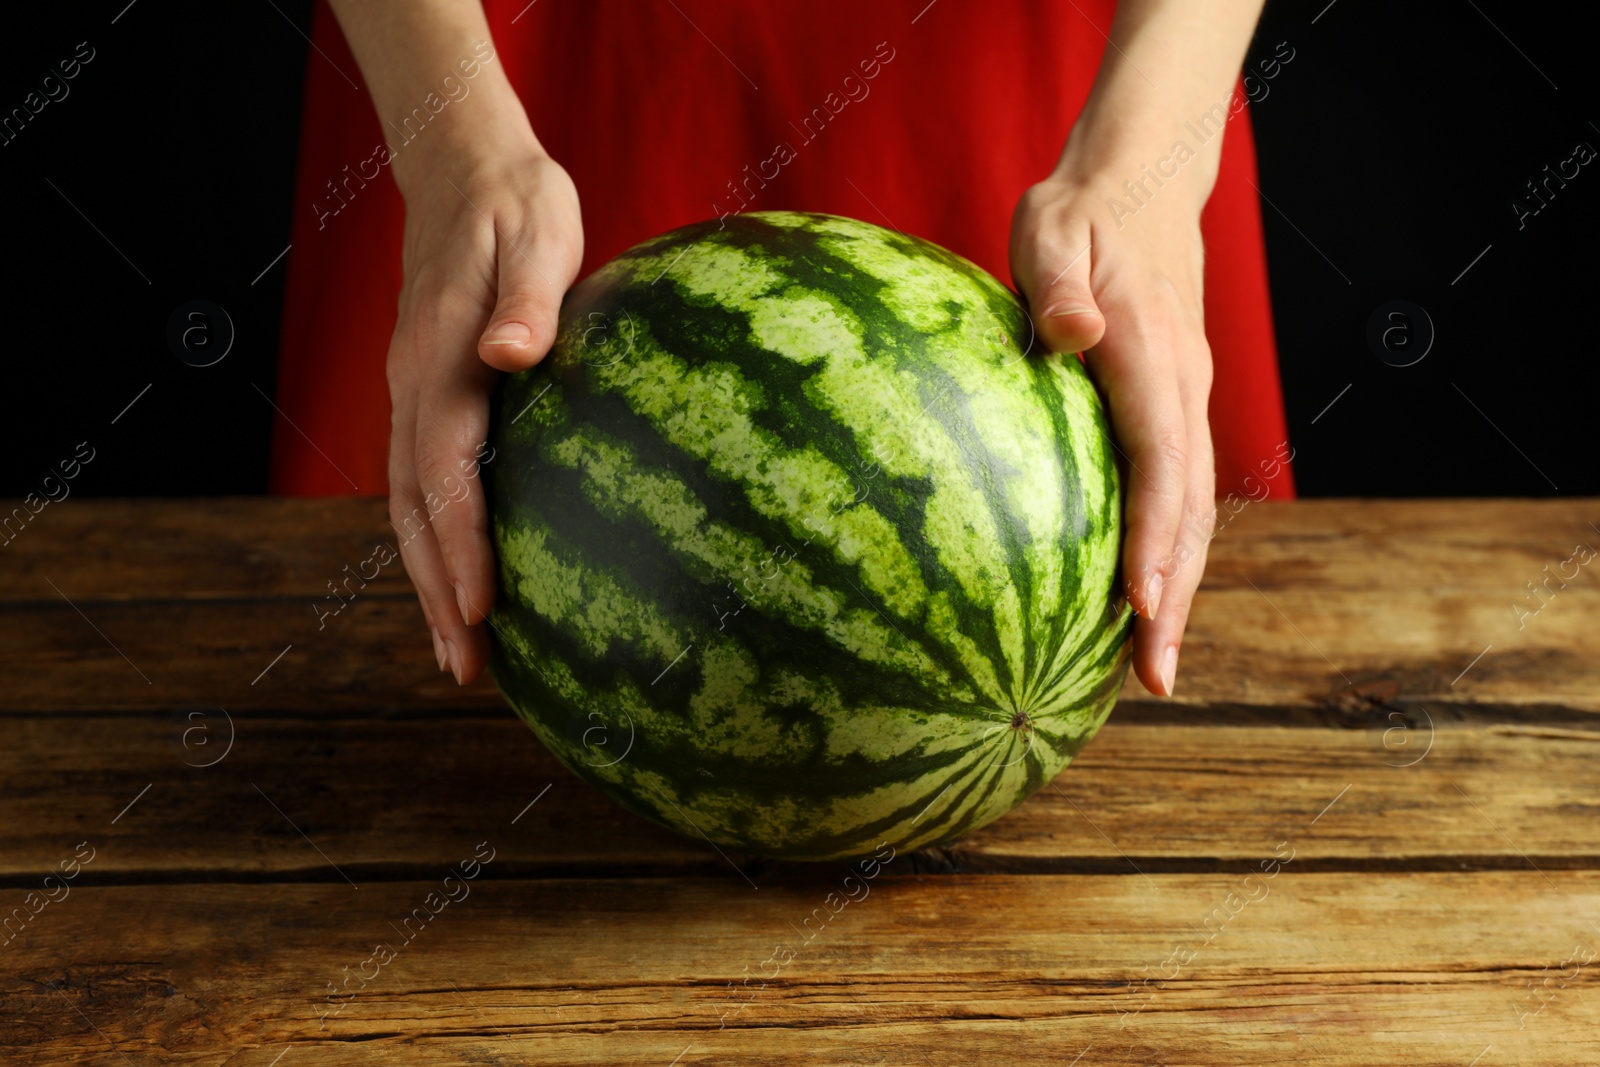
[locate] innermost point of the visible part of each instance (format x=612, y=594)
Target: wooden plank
x=1305, y=648
x=220, y=548
x=1304, y=606
x=1206, y=797
x=243, y=655
x=146, y=549
x=1242, y=661
x=1367, y=945
x=388, y=799
x=1301, y=600
x=1351, y=969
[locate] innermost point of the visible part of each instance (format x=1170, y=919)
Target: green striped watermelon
x=800, y=549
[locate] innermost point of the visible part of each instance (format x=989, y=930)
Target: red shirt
x=933, y=118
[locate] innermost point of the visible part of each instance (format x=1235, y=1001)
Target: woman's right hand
x=493, y=239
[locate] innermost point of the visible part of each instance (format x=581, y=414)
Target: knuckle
x=1200, y=371
x=444, y=471
x=1200, y=516
x=1042, y=216
x=525, y=292
x=407, y=515
x=1172, y=449
x=1176, y=605
x=446, y=438
x=1051, y=244
x=1070, y=285
x=403, y=500
x=1034, y=200
x=400, y=375
x=433, y=459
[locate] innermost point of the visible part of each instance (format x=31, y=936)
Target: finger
x=1157, y=641
x=459, y=648
x=532, y=276
x=1147, y=417
x=1053, y=266
x=452, y=428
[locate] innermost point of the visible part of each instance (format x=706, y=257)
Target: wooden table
x=1367, y=830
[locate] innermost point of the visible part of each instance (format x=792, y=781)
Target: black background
x=1392, y=147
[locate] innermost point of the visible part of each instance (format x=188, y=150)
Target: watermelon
x=802, y=547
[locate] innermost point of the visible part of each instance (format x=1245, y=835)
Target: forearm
x=436, y=82
x=1166, y=78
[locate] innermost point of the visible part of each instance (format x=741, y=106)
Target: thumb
x=1053, y=271
x=528, y=303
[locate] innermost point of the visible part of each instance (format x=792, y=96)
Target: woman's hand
x=1125, y=290
x=1124, y=285
x=493, y=239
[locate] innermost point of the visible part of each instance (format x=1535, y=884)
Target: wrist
x=1131, y=126
x=1153, y=146
x=453, y=133
x=1128, y=131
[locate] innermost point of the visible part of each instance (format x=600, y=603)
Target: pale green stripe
x=1087, y=600
x=884, y=408
x=706, y=410
x=993, y=379
x=580, y=600
x=735, y=563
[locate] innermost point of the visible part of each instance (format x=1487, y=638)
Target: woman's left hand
x=1125, y=289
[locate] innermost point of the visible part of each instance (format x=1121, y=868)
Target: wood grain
x=221, y=548
x=1303, y=607
x=932, y=970
x=386, y=799
x=374, y=658
x=1359, y=700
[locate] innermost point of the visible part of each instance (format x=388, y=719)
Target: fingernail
x=1056, y=311
x=453, y=654
x=438, y=646
x=1169, y=669
x=1152, y=594
x=508, y=333
x=462, y=602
